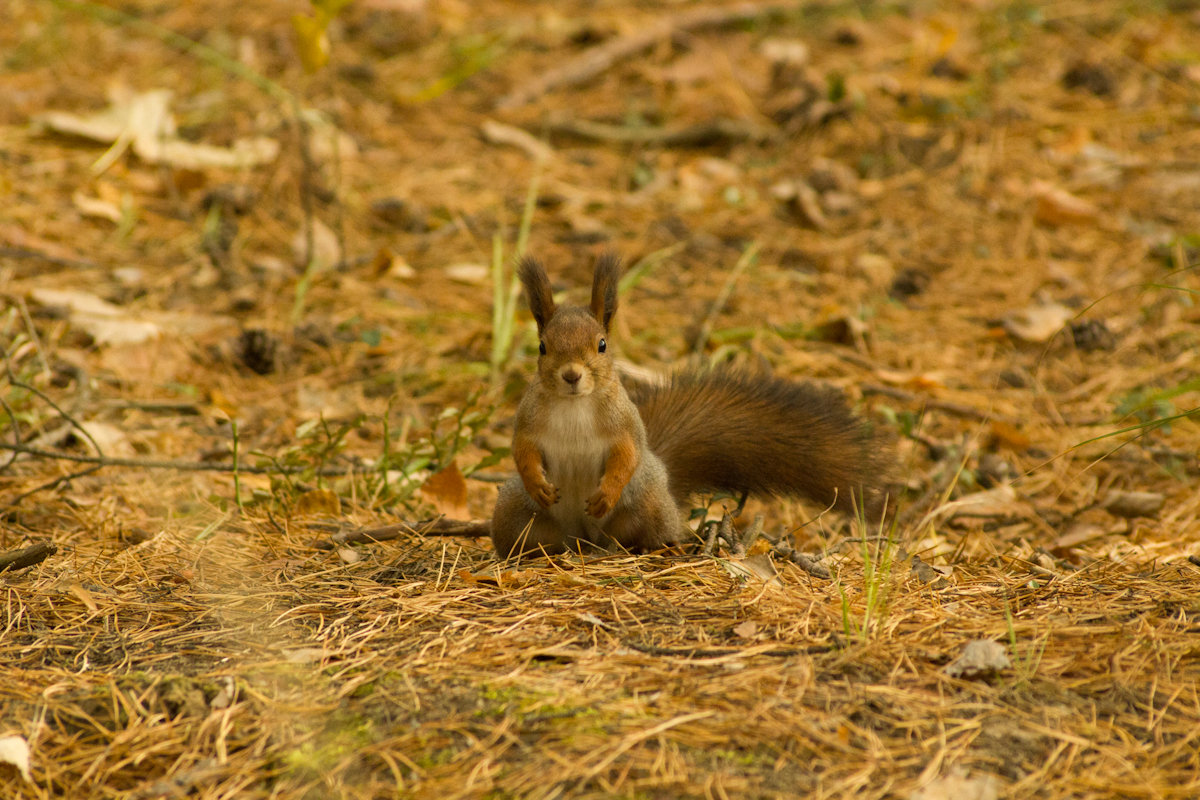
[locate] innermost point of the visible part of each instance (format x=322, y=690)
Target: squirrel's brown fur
x=595, y=466
x=745, y=432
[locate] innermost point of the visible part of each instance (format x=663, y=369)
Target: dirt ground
x=268, y=309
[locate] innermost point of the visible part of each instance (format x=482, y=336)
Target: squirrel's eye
x=542, y=348
x=602, y=346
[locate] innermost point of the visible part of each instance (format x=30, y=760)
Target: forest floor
x=246, y=308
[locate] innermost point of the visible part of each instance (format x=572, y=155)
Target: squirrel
x=598, y=466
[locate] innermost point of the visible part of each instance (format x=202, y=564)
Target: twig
x=58, y=261
x=699, y=134
x=435, y=527
x=600, y=58
x=802, y=560
x=183, y=466
x=27, y=556
x=16, y=382
x=54, y=483
x=701, y=652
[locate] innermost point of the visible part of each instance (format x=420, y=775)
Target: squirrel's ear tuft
x=604, y=288
x=537, y=290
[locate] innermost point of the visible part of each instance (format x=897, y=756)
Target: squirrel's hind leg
x=652, y=520
x=521, y=527
x=643, y=532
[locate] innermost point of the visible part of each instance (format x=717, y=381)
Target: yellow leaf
x=312, y=42
x=318, y=503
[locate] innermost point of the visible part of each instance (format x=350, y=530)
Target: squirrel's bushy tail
x=740, y=431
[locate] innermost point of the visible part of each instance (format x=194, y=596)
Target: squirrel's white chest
x=574, y=449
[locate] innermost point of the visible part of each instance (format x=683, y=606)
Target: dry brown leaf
x=1037, y=323
x=1057, y=206
x=84, y=596
x=96, y=208
x=326, y=249
x=318, y=503
x=473, y=274
x=747, y=629
x=981, y=658
x=447, y=490
x=1134, y=504
x=512, y=136
x=999, y=502
x=143, y=121
x=1004, y=434
x=1077, y=533
x=759, y=567
x=111, y=440
x=105, y=323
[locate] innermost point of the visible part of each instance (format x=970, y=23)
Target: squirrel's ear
x=537, y=290
x=604, y=288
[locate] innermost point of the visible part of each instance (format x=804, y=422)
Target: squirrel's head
x=573, y=343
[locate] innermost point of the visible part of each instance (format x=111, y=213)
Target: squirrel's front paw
x=545, y=494
x=601, y=502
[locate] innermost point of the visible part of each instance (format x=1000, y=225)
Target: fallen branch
x=602, y=57
x=183, y=466
x=27, y=556
x=701, y=134
x=435, y=527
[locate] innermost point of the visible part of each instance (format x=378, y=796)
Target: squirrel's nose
x=571, y=376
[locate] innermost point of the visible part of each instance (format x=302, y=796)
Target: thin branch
x=435, y=527
x=181, y=465
x=27, y=556
x=598, y=59
x=54, y=483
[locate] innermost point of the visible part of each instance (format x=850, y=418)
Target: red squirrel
x=597, y=466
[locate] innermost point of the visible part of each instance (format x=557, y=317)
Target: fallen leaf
x=760, y=567
x=326, y=249
x=1133, y=504
x=747, y=629
x=15, y=750
x=304, y=655
x=792, y=52
x=318, y=503
x=999, y=502
x=106, y=323
x=85, y=597
x=1076, y=534
x=499, y=133
x=1004, y=434
x=96, y=208
x=981, y=658
x=592, y=619
x=474, y=274
x=143, y=121
x=1058, y=206
x=385, y=262
x=1037, y=323
x=956, y=785
x=447, y=490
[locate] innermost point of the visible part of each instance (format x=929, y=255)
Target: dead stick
x=956, y=409
x=27, y=556
x=437, y=527
x=182, y=466
x=697, y=135
x=596, y=60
